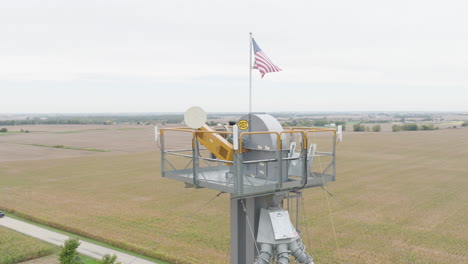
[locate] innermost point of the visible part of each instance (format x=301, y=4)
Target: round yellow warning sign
x=243, y=124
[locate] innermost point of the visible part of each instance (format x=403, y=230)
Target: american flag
x=262, y=62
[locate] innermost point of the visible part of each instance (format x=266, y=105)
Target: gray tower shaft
x=244, y=227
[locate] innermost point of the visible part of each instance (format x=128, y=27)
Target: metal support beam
x=251, y=232
x=238, y=228
x=244, y=227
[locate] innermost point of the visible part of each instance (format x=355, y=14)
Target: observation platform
x=265, y=162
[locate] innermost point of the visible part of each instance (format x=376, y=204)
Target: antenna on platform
x=195, y=117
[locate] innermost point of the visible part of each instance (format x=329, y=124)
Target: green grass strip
x=88, y=260
x=12, y=133
x=77, y=131
x=130, y=128
x=94, y=129
x=67, y=147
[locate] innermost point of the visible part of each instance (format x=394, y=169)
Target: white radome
x=195, y=117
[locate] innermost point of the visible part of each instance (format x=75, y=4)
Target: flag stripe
x=264, y=59
x=262, y=62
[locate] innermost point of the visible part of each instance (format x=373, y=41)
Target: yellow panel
x=215, y=143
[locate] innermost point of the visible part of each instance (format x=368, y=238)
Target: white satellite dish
x=195, y=117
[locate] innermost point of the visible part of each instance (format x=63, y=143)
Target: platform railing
x=197, y=164
x=332, y=153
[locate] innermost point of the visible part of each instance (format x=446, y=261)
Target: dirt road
x=85, y=248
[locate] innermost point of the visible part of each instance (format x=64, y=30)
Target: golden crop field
x=399, y=197
x=16, y=247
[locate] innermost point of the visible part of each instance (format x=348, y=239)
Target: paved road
x=85, y=248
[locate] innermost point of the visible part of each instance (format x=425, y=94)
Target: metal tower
x=262, y=165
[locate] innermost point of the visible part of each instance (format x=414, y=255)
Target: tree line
x=312, y=123
x=361, y=128
x=95, y=120
x=413, y=127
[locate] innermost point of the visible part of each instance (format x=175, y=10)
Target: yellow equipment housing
x=215, y=143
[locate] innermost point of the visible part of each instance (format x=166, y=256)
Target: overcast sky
x=165, y=56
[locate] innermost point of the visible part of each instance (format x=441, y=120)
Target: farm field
x=95, y=138
x=399, y=197
x=53, y=259
x=16, y=247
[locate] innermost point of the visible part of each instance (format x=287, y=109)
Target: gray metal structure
x=269, y=163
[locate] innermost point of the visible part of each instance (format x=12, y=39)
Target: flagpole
x=250, y=76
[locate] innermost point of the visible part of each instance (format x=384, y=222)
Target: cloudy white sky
x=165, y=56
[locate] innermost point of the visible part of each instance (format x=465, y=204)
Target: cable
x=325, y=189
x=306, y=225
x=209, y=201
x=330, y=212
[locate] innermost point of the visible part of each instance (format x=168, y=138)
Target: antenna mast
x=250, y=75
